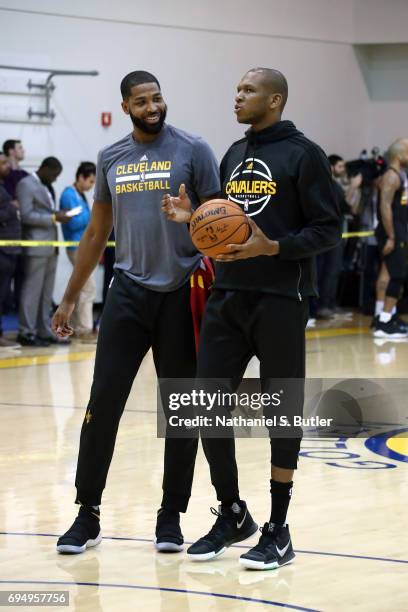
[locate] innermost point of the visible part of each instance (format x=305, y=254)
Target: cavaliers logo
x=251, y=185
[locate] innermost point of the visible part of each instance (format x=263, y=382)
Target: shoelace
x=266, y=538
x=217, y=530
x=215, y=511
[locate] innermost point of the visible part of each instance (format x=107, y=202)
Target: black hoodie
x=283, y=182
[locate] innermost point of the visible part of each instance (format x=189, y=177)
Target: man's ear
x=276, y=100
x=125, y=106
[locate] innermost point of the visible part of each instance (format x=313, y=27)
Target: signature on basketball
x=212, y=233
x=210, y=212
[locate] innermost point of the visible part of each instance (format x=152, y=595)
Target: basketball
x=218, y=223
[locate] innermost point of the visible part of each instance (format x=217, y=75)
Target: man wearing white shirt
x=73, y=201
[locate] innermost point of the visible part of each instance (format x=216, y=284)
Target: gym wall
x=198, y=50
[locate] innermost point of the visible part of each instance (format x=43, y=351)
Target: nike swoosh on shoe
x=239, y=524
x=282, y=551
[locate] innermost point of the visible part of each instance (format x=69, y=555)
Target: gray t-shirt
x=156, y=253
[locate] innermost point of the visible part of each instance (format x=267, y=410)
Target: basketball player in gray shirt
x=148, y=303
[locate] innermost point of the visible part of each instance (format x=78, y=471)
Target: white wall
x=198, y=69
x=380, y=21
x=311, y=19
x=385, y=70
x=199, y=52
x=380, y=30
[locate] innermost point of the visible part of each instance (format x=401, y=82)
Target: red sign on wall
x=106, y=119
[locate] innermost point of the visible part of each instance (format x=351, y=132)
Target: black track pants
x=238, y=325
x=135, y=319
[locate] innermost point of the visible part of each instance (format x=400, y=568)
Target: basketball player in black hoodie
x=259, y=305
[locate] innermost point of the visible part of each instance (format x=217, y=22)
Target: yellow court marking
x=357, y=234
x=69, y=243
x=43, y=243
x=35, y=360
x=333, y=333
x=399, y=443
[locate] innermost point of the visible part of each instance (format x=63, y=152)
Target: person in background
x=73, y=198
x=39, y=219
x=329, y=263
x=374, y=272
x=14, y=151
x=392, y=238
x=350, y=185
x=10, y=229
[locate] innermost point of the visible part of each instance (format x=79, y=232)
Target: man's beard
x=148, y=128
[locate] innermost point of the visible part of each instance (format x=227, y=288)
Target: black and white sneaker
x=233, y=525
x=31, y=340
x=168, y=533
x=84, y=533
x=392, y=329
x=273, y=550
x=401, y=323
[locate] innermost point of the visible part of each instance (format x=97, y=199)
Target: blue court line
x=165, y=590
x=64, y=407
x=302, y=552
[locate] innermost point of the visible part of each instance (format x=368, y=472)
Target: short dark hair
x=334, y=159
x=9, y=144
x=85, y=169
x=275, y=81
x=136, y=78
x=52, y=163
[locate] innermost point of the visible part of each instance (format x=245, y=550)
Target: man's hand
x=177, y=209
x=257, y=244
x=60, y=321
x=389, y=246
x=61, y=216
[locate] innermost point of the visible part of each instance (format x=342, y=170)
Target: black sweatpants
x=238, y=325
x=134, y=320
